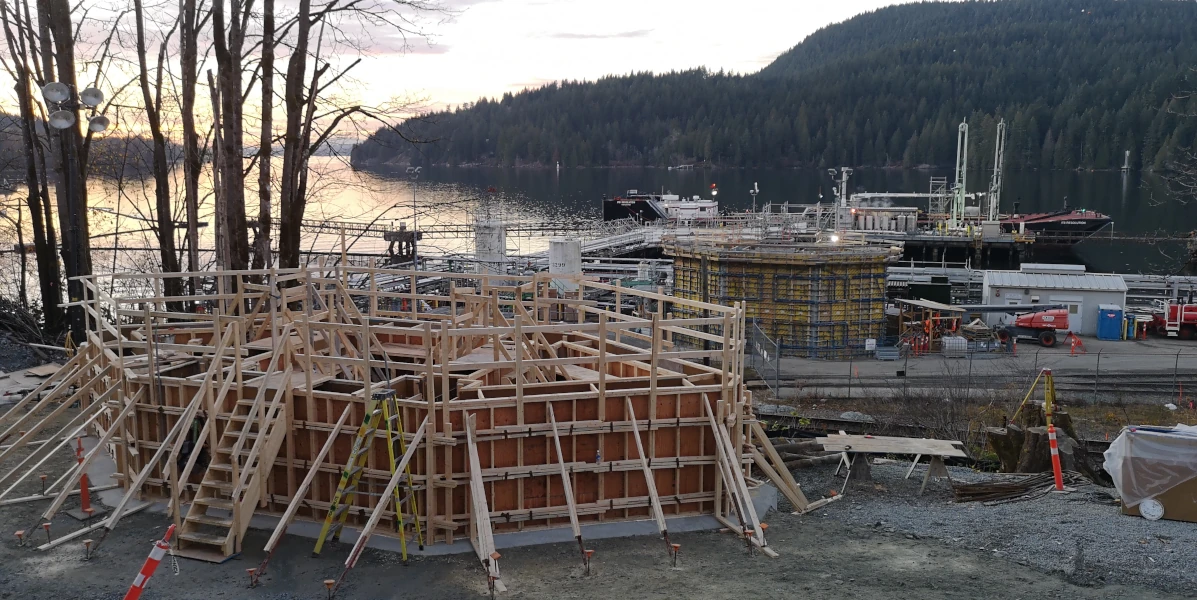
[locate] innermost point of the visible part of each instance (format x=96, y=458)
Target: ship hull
x=1063, y=228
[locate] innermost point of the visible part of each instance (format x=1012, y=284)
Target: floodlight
x=56, y=91
x=62, y=119
x=91, y=97
x=98, y=124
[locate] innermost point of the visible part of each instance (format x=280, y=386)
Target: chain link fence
x=1148, y=375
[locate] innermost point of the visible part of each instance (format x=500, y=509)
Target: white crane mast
x=993, y=199
x=956, y=218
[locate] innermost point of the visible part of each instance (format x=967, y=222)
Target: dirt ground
x=818, y=559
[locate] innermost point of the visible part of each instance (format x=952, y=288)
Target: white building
x=1069, y=285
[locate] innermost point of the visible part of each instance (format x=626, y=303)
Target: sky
x=490, y=47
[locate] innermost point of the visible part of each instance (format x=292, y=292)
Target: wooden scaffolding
x=522, y=402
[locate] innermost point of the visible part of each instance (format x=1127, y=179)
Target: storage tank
x=870, y=222
x=565, y=258
x=860, y=221
x=954, y=346
x=490, y=246
x=817, y=300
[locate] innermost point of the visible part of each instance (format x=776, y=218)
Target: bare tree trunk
x=228, y=63
x=291, y=201
x=172, y=286
x=262, y=257
x=48, y=274
x=192, y=166
x=72, y=193
x=221, y=216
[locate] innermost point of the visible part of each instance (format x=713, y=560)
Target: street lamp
x=64, y=104
x=58, y=96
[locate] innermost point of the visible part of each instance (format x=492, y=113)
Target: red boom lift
x=1041, y=326
x=1175, y=319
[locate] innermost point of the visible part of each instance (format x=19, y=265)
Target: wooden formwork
x=523, y=405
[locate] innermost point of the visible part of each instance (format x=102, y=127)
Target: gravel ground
x=1081, y=536
x=879, y=542
x=15, y=356
x=838, y=552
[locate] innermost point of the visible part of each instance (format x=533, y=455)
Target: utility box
x=1109, y=322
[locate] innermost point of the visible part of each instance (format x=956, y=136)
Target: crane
x=956, y=218
x=993, y=199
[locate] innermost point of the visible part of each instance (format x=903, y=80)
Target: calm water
x=1137, y=204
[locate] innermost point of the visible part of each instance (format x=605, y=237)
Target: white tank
x=901, y=223
x=912, y=223
x=860, y=221
x=954, y=346
x=565, y=258
x=490, y=246
x=870, y=222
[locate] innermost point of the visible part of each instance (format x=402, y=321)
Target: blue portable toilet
x=1109, y=322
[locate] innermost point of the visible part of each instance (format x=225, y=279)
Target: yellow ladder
x=394, y=422
x=352, y=473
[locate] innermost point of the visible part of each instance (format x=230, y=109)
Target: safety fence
x=1150, y=375
x=764, y=357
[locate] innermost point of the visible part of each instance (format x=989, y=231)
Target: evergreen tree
x=1077, y=81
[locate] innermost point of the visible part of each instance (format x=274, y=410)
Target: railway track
x=1074, y=386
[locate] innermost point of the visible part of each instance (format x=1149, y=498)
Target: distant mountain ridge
x=1078, y=83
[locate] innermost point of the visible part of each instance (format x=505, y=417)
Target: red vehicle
x=1041, y=326
x=1173, y=319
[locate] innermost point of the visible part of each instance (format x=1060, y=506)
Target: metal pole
x=968, y=387
x=1176, y=369
x=906, y=376
x=415, y=229
x=849, y=377
x=1096, y=376
x=777, y=368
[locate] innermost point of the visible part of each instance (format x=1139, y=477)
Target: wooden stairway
x=239, y=467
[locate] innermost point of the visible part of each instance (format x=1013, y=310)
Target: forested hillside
x=1078, y=83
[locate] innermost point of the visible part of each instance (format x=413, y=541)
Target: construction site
x=308, y=432
x=420, y=408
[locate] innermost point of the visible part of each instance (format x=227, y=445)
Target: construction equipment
x=1173, y=318
x=380, y=409
x=1041, y=326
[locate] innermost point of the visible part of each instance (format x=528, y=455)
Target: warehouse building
x=1069, y=285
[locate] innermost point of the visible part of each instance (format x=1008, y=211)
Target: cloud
x=638, y=33
x=425, y=46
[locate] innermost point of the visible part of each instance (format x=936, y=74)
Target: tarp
x=1145, y=462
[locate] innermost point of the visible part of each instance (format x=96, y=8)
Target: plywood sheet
x=45, y=370
x=892, y=445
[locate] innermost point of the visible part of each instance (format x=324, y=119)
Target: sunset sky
x=496, y=46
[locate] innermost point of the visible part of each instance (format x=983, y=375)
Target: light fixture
x=91, y=97
x=835, y=238
x=62, y=119
x=56, y=91
x=98, y=124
